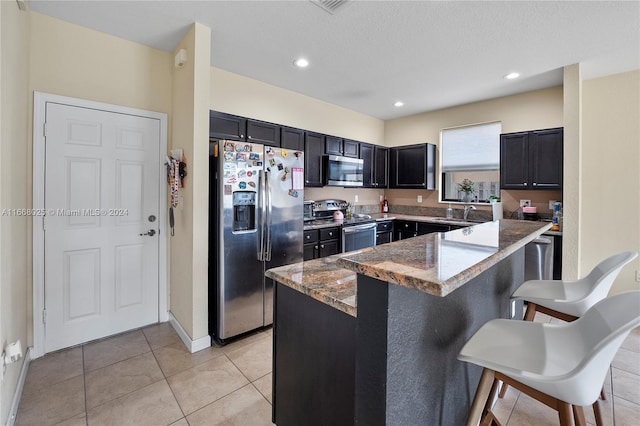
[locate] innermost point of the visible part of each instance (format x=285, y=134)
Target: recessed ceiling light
x=398, y=104
x=512, y=75
x=301, y=63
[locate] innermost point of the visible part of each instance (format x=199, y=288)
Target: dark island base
x=313, y=361
x=393, y=365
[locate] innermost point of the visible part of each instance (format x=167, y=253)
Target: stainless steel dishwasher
x=355, y=237
x=538, y=259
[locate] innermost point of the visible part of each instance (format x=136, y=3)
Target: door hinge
x=44, y=223
x=44, y=129
x=44, y=316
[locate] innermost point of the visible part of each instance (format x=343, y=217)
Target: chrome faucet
x=466, y=210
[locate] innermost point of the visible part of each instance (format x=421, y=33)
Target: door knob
x=151, y=233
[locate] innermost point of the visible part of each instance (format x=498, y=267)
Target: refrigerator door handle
x=267, y=251
x=262, y=207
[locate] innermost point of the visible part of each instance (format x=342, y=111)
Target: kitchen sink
x=444, y=219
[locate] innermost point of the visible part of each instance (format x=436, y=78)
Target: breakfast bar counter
x=371, y=337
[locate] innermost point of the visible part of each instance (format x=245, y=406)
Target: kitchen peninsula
x=371, y=337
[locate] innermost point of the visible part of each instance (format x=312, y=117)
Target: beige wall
x=235, y=94
x=189, y=246
x=572, y=180
x=610, y=176
x=15, y=267
x=539, y=109
x=71, y=60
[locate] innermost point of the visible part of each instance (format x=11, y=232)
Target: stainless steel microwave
x=343, y=171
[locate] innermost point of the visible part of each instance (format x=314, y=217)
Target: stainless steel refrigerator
x=256, y=223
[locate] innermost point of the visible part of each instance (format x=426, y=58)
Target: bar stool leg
x=578, y=414
x=565, y=413
x=480, y=400
x=597, y=413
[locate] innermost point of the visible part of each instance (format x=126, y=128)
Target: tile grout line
x=84, y=385
x=166, y=379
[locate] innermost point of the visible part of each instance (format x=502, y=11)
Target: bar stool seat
x=561, y=365
x=569, y=300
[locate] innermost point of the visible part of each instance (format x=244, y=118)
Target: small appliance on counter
x=307, y=212
x=530, y=213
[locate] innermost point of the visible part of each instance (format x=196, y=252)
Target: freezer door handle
x=262, y=209
x=267, y=251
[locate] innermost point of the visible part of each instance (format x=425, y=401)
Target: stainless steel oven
x=355, y=237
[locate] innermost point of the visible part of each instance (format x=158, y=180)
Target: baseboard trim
x=192, y=345
x=17, y=395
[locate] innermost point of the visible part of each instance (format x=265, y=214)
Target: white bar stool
x=569, y=300
x=560, y=365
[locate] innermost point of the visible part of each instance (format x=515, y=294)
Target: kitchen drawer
x=408, y=226
x=311, y=236
x=385, y=226
x=329, y=234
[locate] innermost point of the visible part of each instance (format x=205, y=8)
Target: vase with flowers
x=466, y=188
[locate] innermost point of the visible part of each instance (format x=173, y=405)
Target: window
x=473, y=153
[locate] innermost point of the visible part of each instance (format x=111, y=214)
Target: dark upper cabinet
x=263, y=133
x=531, y=160
x=333, y=145
x=338, y=146
x=232, y=127
x=313, y=152
x=375, y=166
x=381, y=170
x=291, y=138
x=227, y=126
x=350, y=148
x=413, y=166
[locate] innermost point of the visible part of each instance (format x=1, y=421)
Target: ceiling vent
x=330, y=6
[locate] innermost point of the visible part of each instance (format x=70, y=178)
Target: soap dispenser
x=449, y=212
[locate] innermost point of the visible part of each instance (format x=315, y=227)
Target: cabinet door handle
x=315, y=247
x=322, y=246
x=535, y=184
x=331, y=234
x=525, y=184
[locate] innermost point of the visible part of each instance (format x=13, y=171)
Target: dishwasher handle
x=357, y=228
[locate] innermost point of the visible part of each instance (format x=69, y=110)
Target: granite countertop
x=436, y=263
x=321, y=279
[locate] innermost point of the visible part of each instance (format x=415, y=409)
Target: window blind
x=471, y=148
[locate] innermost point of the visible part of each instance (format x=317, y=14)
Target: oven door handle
x=357, y=228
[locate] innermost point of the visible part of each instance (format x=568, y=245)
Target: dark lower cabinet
x=404, y=229
x=314, y=362
x=413, y=166
x=427, y=228
x=313, y=152
x=384, y=232
x=532, y=160
x=321, y=243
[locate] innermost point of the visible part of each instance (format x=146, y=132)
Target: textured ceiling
x=429, y=54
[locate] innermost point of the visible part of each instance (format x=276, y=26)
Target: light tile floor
x=147, y=377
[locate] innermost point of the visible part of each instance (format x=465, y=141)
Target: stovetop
x=356, y=220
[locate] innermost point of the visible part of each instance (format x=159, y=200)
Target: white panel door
x=102, y=201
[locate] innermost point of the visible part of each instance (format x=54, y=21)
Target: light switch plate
x=551, y=204
x=355, y=198
x=419, y=198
